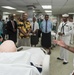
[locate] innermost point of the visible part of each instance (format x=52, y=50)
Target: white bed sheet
x=18, y=69
x=16, y=63
x=37, y=55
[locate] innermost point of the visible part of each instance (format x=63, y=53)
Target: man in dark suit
x=12, y=29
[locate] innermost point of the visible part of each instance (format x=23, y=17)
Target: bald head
x=8, y=46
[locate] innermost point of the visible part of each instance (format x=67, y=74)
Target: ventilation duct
x=30, y=7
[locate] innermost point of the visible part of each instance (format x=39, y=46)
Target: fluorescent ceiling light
x=8, y=7
x=48, y=11
x=46, y=6
x=14, y=14
x=20, y=11
x=33, y=10
x=70, y=13
x=6, y=13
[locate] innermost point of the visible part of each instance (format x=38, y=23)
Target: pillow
x=21, y=57
x=37, y=56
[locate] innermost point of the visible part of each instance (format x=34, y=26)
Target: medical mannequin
x=8, y=46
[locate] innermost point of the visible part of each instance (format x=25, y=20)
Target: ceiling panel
x=44, y=2
x=62, y=6
x=58, y=6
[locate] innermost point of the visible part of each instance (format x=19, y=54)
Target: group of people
x=29, y=32
x=45, y=27
x=9, y=28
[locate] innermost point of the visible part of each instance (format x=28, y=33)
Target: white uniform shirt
x=36, y=26
x=67, y=32
x=73, y=27
x=67, y=28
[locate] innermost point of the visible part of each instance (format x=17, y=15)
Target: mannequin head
x=8, y=46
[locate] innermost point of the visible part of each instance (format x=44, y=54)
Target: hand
x=14, y=30
x=60, y=34
x=73, y=74
x=33, y=32
x=60, y=43
x=26, y=34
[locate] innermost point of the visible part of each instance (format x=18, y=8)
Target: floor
x=56, y=66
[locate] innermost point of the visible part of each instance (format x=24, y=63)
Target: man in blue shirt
x=46, y=27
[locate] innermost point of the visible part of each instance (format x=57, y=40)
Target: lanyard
x=13, y=24
x=62, y=28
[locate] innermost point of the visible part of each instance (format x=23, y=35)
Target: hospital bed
x=18, y=63
x=39, y=56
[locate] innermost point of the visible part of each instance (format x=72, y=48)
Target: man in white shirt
x=34, y=30
x=64, y=31
x=34, y=25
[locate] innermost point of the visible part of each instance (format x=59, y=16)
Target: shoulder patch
x=70, y=28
